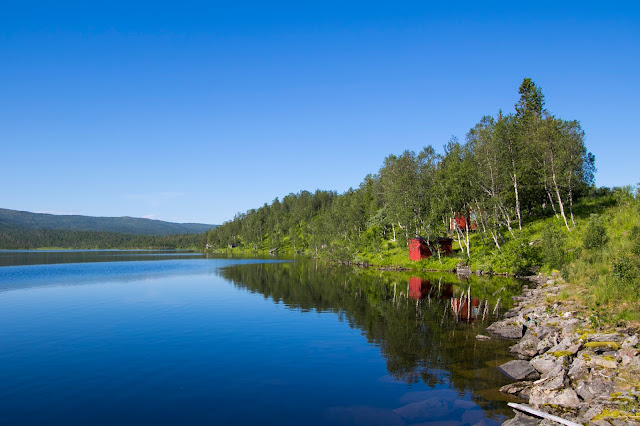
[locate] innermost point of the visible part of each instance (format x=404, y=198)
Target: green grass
x=599, y=258
x=605, y=279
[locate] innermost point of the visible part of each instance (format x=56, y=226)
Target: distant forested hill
x=13, y=219
x=23, y=238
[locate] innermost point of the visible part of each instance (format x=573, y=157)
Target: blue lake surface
x=91, y=338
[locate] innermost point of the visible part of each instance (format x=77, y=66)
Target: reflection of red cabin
x=421, y=248
x=460, y=307
x=461, y=221
x=420, y=288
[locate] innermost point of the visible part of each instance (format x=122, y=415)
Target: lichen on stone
x=599, y=345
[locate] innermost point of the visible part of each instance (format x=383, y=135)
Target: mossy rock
x=616, y=414
x=602, y=345
x=558, y=354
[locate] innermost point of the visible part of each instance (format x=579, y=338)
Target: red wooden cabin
x=421, y=248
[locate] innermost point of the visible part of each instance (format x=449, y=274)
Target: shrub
x=624, y=269
x=372, y=239
x=553, y=248
x=635, y=240
x=595, y=236
x=521, y=257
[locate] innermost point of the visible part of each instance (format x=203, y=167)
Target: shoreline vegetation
x=523, y=182
x=575, y=328
x=528, y=180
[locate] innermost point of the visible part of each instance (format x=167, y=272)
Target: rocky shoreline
x=566, y=366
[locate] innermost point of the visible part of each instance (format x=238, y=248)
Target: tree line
x=511, y=168
x=21, y=238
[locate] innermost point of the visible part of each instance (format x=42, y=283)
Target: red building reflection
x=464, y=308
x=421, y=289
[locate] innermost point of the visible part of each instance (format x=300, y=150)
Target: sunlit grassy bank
x=599, y=257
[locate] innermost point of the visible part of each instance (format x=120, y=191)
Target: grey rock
x=578, y=370
x=547, y=422
x=574, y=348
x=521, y=389
x=512, y=313
x=554, y=382
x=543, y=331
x=507, y=329
x=522, y=419
x=598, y=361
x=593, y=411
x=625, y=356
x=482, y=337
x=562, y=346
x=563, y=398
x=527, y=346
x=623, y=422
x=568, y=326
x=544, y=363
x=519, y=370
x=462, y=269
x=547, y=341
x=589, y=390
x=557, y=369
x=610, y=337
x=630, y=342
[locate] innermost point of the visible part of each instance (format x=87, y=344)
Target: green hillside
x=14, y=219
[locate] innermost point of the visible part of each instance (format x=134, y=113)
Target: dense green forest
x=511, y=168
x=123, y=225
x=26, y=230
x=22, y=238
x=527, y=178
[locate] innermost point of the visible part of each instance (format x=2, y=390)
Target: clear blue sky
x=193, y=111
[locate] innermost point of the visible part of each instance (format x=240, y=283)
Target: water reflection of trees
x=422, y=325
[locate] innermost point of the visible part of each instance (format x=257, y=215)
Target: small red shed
x=421, y=248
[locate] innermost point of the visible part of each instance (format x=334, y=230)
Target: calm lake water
x=123, y=337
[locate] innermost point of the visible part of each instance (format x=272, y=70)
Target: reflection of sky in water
x=175, y=342
x=61, y=274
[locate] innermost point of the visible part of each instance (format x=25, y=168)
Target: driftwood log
x=538, y=413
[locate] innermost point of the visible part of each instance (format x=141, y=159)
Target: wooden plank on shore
x=542, y=414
